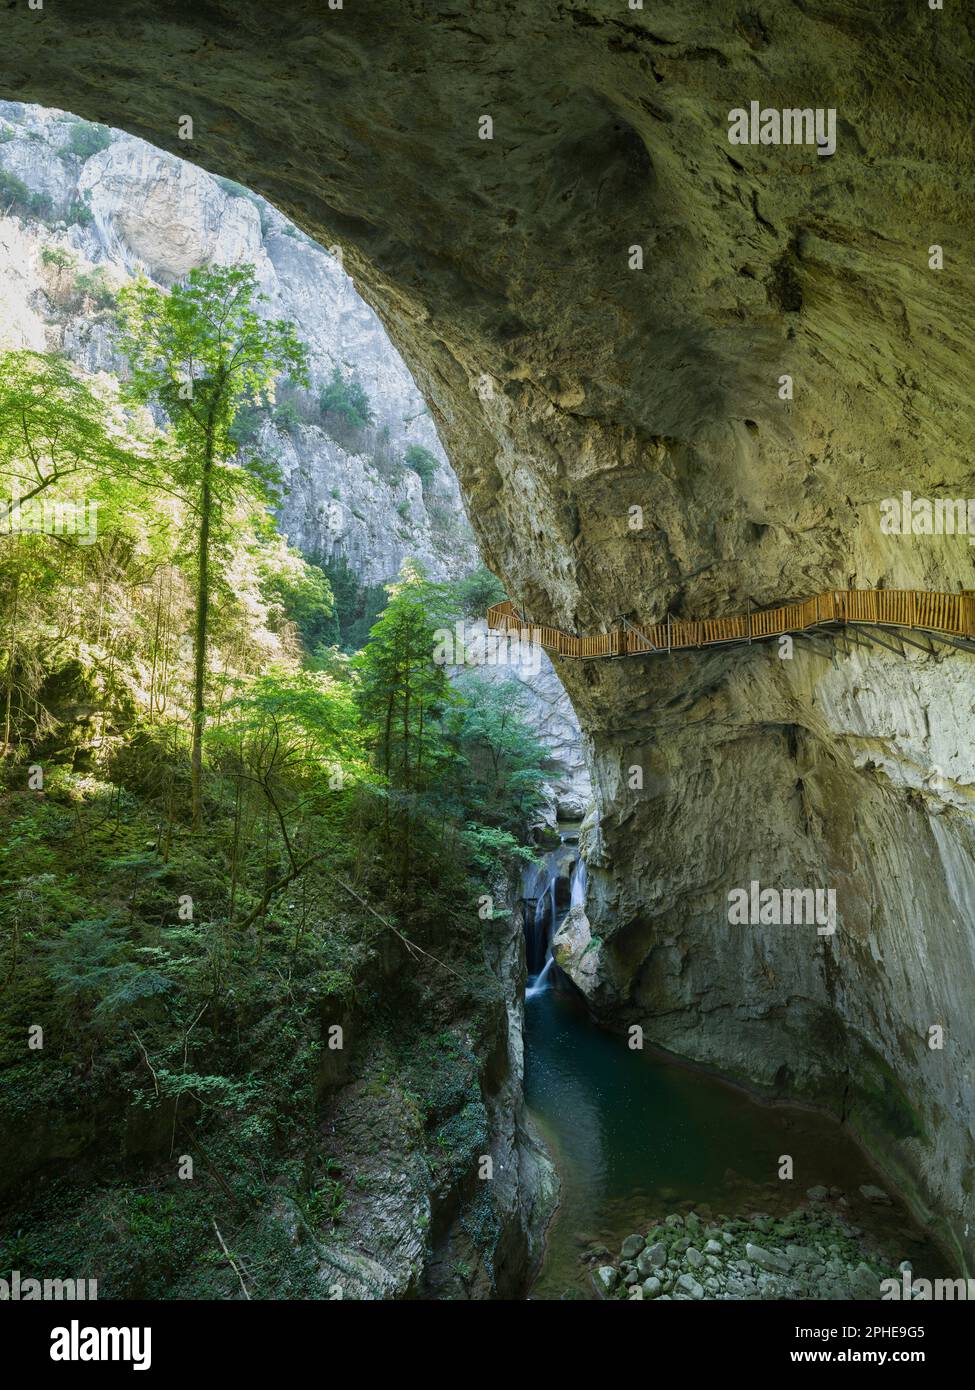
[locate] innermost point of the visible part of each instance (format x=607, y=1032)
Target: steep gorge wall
x=568, y=388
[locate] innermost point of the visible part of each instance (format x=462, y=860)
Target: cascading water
x=549, y=889
x=577, y=897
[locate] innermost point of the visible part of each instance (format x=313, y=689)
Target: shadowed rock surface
x=568, y=388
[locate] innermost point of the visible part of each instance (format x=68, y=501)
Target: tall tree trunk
x=11, y=658
x=200, y=637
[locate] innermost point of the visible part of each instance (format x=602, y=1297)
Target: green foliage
x=504, y=759
x=247, y=425
x=357, y=606
x=404, y=693
x=15, y=196
x=343, y=402
x=286, y=417
x=79, y=212
x=300, y=592
x=422, y=462
x=494, y=851
x=96, y=287
x=58, y=259
x=202, y=352
x=353, y=811
x=87, y=138
x=476, y=592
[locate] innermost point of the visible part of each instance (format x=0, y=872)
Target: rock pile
x=813, y=1253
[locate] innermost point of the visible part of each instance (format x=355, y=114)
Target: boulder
x=874, y=1194
x=689, y=1286
x=766, y=1259
x=653, y=1258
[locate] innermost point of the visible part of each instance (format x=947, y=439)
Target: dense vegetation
x=221, y=836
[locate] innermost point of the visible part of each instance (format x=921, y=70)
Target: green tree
x=476, y=592
x=404, y=696
x=504, y=760
x=422, y=462
x=203, y=353
x=345, y=400
x=357, y=606
x=87, y=138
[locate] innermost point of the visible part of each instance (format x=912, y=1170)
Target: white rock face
x=152, y=213
x=21, y=326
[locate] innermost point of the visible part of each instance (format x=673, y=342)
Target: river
x=634, y=1136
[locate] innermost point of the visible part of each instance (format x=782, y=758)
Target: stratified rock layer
x=569, y=388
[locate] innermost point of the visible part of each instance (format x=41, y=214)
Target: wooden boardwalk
x=949, y=617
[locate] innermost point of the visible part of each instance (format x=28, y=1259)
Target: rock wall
x=852, y=773
x=570, y=385
x=127, y=209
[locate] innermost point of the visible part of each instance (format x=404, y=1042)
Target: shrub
x=16, y=196
x=422, y=462
x=345, y=401
x=286, y=417
x=80, y=213
x=58, y=259
x=95, y=286
x=87, y=138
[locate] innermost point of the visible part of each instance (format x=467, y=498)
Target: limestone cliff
x=126, y=208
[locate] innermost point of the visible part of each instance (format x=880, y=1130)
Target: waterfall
x=539, y=985
x=578, y=895
x=550, y=888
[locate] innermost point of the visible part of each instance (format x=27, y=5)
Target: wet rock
x=864, y=1283
x=632, y=1247
x=689, y=1285
x=606, y=1278
x=874, y=1194
x=652, y=1258
x=766, y=1259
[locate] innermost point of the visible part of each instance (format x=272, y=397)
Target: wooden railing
x=951, y=614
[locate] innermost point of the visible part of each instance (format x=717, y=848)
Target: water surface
x=634, y=1137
